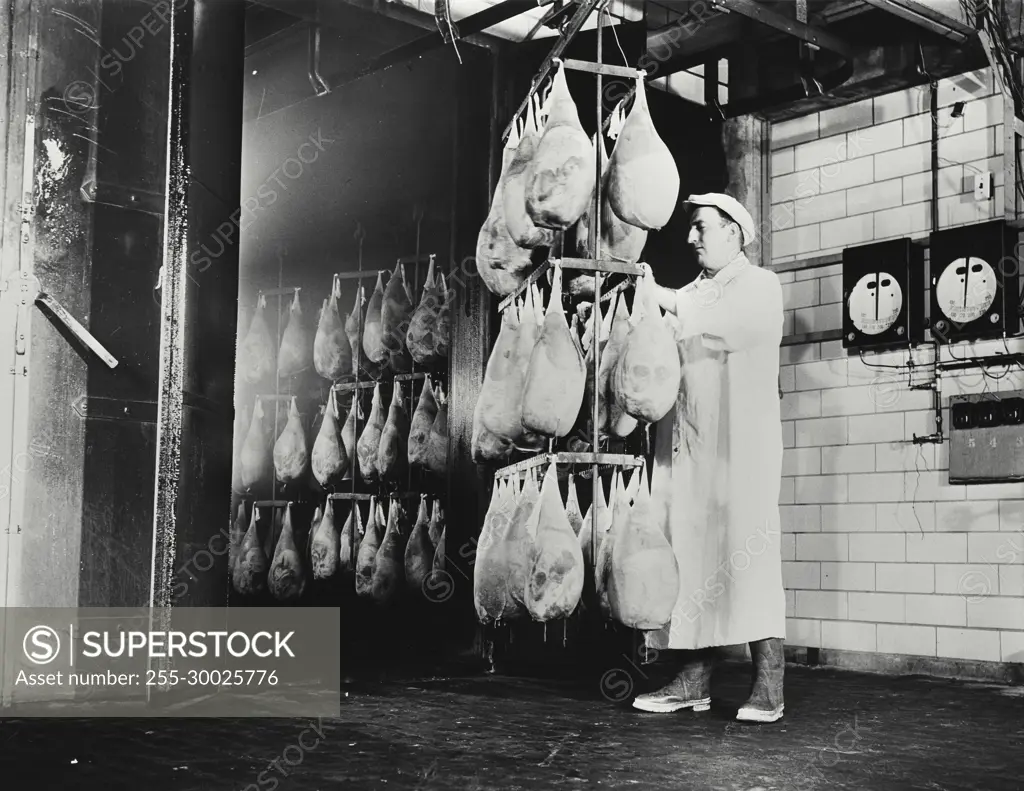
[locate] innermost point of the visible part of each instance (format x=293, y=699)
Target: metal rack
x=598, y=265
x=570, y=459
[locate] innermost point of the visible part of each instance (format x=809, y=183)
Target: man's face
x=714, y=238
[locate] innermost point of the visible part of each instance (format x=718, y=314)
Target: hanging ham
x=436, y=523
x=296, y=354
x=619, y=240
x=422, y=423
x=572, y=508
x=560, y=178
x=354, y=330
x=592, y=343
x=277, y=525
x=443, y=325
x=237, y=536
x=531, y=320
x=349, y=544
x=520, y=227
x=241, y=429
x=502, y=263
x=618, y=422
x=366, y=558
x=438, y=571
x=256, y=357
x=643, y=181
x=373, y=329
x=250, y=575
x=436, y=455
x=419, y=552
x=287, y=578
x=329, y=458
x=519, y=541
x=291, y=456
x=644, y=582
x=492, y=595
x=620, y=514
x=369, y=440
x=584, y=245
x=497, y=419
x=556, y=574
x=556, y=378
x=392, y=453
x=349, y=438
x=396, y=314
x=645, y=382
x=419, y=339
x=332, y=352
x=326, y=545
x=255, y=458
x=389, y=568
x=591, y=548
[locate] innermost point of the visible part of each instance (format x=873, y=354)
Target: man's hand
x=645, y=270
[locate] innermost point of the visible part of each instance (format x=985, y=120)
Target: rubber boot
x=691, y=688
x=765, y=702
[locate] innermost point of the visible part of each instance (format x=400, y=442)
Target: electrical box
x=975, y=281
x=983, y=185
x=986, y=438
x=883, y=295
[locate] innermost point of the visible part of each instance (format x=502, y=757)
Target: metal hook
x=320, y=86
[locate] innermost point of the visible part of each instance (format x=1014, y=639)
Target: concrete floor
x=842, y=731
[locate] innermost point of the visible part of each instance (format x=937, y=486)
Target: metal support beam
x=1012, y=131
x=475, y=23
x=927, y=18
x=812, y=35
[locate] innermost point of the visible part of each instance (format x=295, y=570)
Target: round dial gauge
x=966, y=289
x=875, y=303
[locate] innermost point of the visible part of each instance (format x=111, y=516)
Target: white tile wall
x=911, y=640
x=969, y=644
x=881, y=552
x=848, y=635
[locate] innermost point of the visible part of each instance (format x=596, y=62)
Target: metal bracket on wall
x=23, y=289
x=122, y=196
x=72, y=325
x=97, y=408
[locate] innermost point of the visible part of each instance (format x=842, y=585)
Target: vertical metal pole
x=354, y=401
x=595, y=231
x=934, y=109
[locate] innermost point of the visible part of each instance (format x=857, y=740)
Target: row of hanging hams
x=379, y=561
x=537, y=557
x=547, y=184
x=387, y=442
x=540, y=372
x=388, y=336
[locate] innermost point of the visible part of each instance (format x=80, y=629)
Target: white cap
x=730, y=207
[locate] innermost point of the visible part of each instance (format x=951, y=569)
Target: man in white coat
x=718, y=467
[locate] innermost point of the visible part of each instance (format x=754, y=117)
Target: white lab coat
x=718, y=462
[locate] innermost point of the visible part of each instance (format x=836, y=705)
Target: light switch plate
x=983, y=185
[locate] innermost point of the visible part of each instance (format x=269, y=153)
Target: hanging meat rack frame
x=596, y=264
x=359, y=384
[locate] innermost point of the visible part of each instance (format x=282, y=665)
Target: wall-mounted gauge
x=883, y=295
x=875, y=303
x=975, y=282
x=966, y=289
